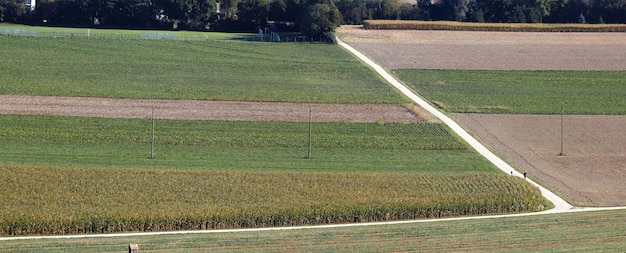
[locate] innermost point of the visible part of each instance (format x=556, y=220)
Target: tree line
x=314, y=18
x=491, y=11
x=310, y=17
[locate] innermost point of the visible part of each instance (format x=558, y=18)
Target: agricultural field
x=242, y=145
x=478, y=50
x=189, y=70
x=492, y=27
x=514, y=76
x=91, y=200
x=600, y=231
x=102, y=164
x=61, y=146
x=521, y=92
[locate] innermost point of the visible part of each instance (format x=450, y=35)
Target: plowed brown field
x=396, y=49
x=592, y=170
x=207, y=110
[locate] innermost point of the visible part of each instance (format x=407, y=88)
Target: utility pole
x=562, y=126
x=152, y=142
x=309, y=153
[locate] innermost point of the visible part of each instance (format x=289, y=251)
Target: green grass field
x=198, y=70
x=521, y=92
x=8, y=28
x=282, y=146
x=572, y=232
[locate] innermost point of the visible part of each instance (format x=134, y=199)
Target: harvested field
x=206, y=110
x=418, y=49
x=592, y=169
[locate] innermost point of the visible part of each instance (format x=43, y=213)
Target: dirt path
x=204, y=110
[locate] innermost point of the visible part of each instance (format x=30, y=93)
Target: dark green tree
x=12, y=11
x=278, y=11
x=253, y=13
x=352, y=11
x=320, y=18
x=228, y=9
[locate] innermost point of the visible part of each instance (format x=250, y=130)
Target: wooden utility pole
x=309, y=153
x=152, y=142
x=562, y=126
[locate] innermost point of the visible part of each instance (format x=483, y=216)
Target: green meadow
x=521, y=92
x=50, y=31
x=197, y=70
x=600, y=231
x=282, y=146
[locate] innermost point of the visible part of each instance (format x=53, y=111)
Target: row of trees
x=493, y=11
x=311, y=17
x=315, y=18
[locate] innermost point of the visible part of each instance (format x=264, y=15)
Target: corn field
x=505, y=27
x=51, y=200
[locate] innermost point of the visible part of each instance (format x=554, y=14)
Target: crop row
x=49, y=200
x=424, y=136
x=507, y=27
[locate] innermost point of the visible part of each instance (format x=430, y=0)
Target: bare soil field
x=395, y=49
x=592, y=170
x=206, y=110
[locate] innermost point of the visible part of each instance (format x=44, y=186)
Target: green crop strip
x=522, y=92
x=198, y=70
x=425, y=136
x=600, y=231
x=365, y=147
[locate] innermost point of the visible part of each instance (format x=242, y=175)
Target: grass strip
x=599, y=231
x=241, y=158
x=49, y=200
x=499, y=27
x=126, y=143
x=196, y=70
x=412, y=136
x=18, y=29
x=521, y=92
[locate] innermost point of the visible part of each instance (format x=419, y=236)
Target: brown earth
x=206, y=110
x=592, y=170
x=396, y=49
